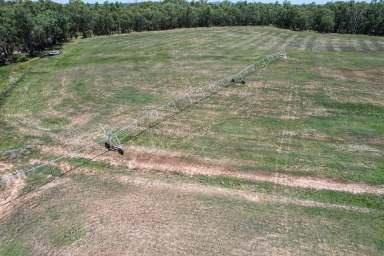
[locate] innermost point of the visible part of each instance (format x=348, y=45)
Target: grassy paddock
x=317, y=114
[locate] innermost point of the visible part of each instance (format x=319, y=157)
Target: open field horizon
x=290, y=163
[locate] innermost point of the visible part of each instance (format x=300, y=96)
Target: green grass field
x=291, y=163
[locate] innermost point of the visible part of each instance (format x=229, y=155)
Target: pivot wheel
x=107, y=145
x=120, y=151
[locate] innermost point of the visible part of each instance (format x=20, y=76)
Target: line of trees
x=30, y=27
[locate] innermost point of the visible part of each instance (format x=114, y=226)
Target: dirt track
x=154, y=160
x=181, y=187
x=244, y=195
x=172, y=162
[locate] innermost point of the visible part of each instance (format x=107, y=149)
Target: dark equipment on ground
x=114, y=148
x=112, y=142
x=238, y=81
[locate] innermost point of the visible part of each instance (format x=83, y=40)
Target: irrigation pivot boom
x=111, y=140
x=152, y=117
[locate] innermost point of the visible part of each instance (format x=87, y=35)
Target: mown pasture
x=289, y=163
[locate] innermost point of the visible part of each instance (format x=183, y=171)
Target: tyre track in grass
x=292, y=110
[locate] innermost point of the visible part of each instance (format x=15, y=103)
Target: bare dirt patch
x=12, y=186
x=82, y=119
x=331, y=73
x=368, y=74
x=5, y=166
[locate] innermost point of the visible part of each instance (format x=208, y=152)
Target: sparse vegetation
x=67, y=235
x=13, y=248
x=38, y=177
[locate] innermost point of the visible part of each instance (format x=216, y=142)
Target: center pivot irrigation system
x=113, y=139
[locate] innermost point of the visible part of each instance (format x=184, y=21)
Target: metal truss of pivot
x=112, y=142
x=153, y=116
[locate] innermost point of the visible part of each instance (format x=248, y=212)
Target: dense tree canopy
x=29, y=27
